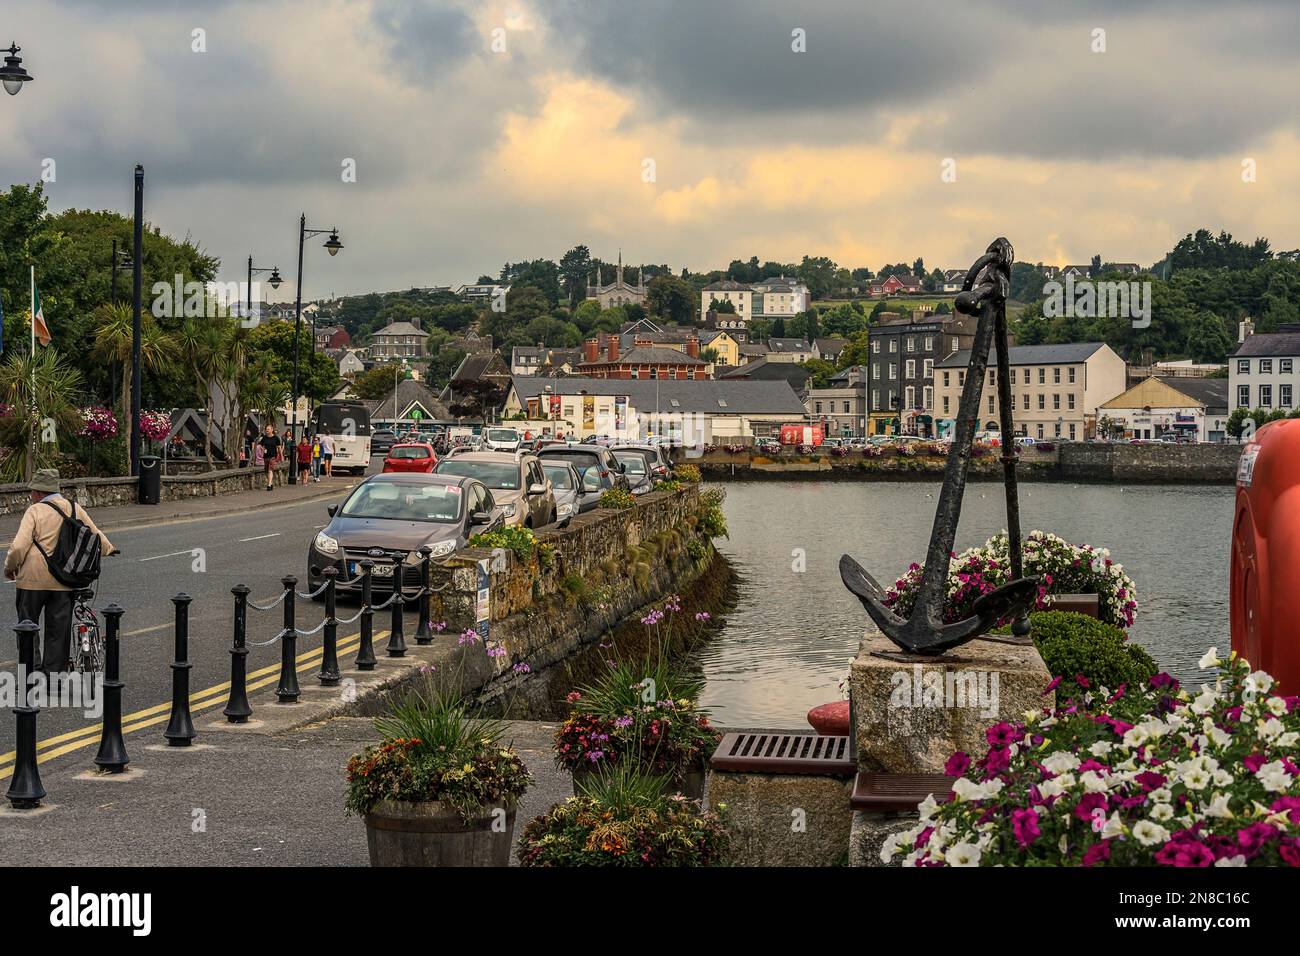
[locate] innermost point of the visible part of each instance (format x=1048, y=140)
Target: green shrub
x=711, y=519
x=1077, y=644
x=688, y=473
x=670, y=485
x=617, y=498
x=518, y=540
x=697, y=549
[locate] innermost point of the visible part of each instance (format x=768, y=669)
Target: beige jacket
x=41, y=524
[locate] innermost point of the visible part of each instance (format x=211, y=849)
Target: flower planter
x=433, y=833
x=692, y=786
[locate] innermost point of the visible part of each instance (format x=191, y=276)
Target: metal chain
x=319, y=590
x=272, y=605
x=313, y=630
x=354, y=617
x=264, y=643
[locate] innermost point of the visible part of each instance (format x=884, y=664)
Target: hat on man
x=45, y=479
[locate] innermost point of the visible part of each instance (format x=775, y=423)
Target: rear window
x=503, y=476
x=582, y=461
x=559, y=475
x=502, y=434
x=409, y=451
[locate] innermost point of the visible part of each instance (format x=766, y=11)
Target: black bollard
x=180, y=727
x=287, y=692
x=238, y=709
x=424, y=633
x=112, y=748
x=396, y=639
x=329, y=662
x=366, y=652
x=25, y=790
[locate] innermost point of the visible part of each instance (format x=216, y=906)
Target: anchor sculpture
x=984, y=294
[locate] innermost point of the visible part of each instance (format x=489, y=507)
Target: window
x=1284, y=396
x=1243, y=366
x=909, y=397
x=992, y=377
x=1040, y=430
x=893, y=370
x=1056, y=401
x=1266, y=366
x=945, y=404
x=961, y=379
x=927, y=368
x=1056, y=376
x=1058, y=430
x=1026, y=376
x=893, y=345
x=911, y=343
x=875, y=346
x=1070, y=403
x=1042, y=376
x=1071, y=374
x=819, y=408
x=1243, y=396
x=954, y=345
x=1266, y=396
x=1042, y=402
x=1284, y=366
x=928, y=397
x=911, y=368
x=846, y=408
x=1071, y=431
x=875, y=400
x=946, y=381
x=990, y=404
x=1026, y=401
x=929, y=343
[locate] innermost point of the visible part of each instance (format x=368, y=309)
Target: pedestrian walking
x=327, y=455
x=304, y=456
x=315, y=458
x=57, y=546
x=270, y=445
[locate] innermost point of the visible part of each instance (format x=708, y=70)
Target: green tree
x=42, y=390
x=820, y=372
x=1208, y=339
x=113, y=338
x=818, y=274
x=318, y=376
x=575, y=271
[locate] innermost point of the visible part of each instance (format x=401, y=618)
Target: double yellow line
x=83, y=737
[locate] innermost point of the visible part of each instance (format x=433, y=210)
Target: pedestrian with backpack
x=55, y=553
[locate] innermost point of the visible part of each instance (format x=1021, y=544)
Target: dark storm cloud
x=425, y=40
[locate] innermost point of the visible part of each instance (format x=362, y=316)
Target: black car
x=595, y=465
x=395, y=514
x=382, y=440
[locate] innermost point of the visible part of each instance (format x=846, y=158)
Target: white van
x=501, y=439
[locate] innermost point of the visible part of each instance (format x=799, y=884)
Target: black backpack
x=76, y=558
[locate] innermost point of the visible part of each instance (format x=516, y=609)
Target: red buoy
x=1264, y=591
x=830, y=720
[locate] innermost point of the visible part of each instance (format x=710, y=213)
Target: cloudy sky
x=688, y=132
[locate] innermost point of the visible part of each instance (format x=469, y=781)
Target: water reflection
x=789, y=641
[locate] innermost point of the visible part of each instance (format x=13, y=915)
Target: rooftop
x=1269, y=344
x=768, y=397
x=1066, y=354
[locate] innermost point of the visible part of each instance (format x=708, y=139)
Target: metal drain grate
x=784, y=753
x=898, y=791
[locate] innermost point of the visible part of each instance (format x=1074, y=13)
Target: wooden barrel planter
x=433, y=833
x=692, y=786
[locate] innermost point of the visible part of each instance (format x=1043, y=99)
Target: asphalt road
x=203, y=558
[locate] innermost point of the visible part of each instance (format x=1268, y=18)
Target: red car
x=415, y=457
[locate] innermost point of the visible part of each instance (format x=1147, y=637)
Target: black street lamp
x=274, y=282
x=137, y=297
x=12, y=74
x=332, y=245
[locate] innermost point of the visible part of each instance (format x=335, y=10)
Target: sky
x=685, y=132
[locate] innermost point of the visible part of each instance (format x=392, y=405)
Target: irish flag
x=39, y=329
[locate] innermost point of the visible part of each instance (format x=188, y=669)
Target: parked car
x=570, y=497
x=589, y=459
x=518, y=484
x=501, y=439
x=416, y=457
x=637, y=468
x=661, y=465
x=395, y=515
x=381, y=440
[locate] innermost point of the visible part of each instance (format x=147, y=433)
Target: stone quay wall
x=1153, y=464
x=546, y=611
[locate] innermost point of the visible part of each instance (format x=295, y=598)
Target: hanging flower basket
x=155, y=426
x=98, y=424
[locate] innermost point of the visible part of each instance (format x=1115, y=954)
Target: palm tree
x=113, y=339
x=200, y=344
x=41, y=391
x=228, y=370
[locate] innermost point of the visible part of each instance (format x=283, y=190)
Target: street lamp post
x=332, y=245
x=12, y=74
x=137, y=293
x=273, y=281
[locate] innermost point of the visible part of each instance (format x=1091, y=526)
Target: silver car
x=571, y=497
x=518, y=484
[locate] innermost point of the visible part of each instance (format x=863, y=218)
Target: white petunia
x=1273, y=777
x=1204, y=703
x=1230, y=861
x=962, y=854
x=1060, y=762
x=1196, y=778
x=1160, y=795
x=1259, y=681
x=1113, y=827
x=1093, y=782
x=927, y=807
x=1211, y=659
x=1222, y=778
x=1268, y=729
x=892, y=845
x=1149, y=834
x=1162, y=812
x=1135, y=737
x=1276, y=706
x=1101, y=748
x=1218, y=807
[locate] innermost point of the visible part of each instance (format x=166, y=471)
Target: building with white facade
x=1264, y=371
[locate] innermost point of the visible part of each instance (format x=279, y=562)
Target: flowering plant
x=155, y=426
x=98, y=424
x=1139, y=777
x=1061, y=568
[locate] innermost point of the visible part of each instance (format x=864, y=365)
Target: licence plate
x=379, y=570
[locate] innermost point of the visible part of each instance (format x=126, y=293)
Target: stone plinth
x=911, y=713
x=783, y=819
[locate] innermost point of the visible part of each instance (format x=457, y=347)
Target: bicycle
x=87, y=639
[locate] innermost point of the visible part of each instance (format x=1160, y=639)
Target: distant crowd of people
x=314, y=453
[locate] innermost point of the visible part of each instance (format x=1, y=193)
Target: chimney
x=693, y=347
x=1245, y=329
x=613, y=348
x=590, y=349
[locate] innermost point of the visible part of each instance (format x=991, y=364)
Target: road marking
x=260, y=537
x=172, y=555
x=199, y=700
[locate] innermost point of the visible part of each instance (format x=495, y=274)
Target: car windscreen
x=559, y=475
x=635, y=463
x=501, y=475
x=409, y=451
x=402, y=502
x=502, y=434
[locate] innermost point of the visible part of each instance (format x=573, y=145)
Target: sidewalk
x=126, y=516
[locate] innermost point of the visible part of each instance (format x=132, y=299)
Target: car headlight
x=442, y=549
x=564, y=509
x=508, y=510
x=326, y=545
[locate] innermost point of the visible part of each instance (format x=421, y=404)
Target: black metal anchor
x=984, y=294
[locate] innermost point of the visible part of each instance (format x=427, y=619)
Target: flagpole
x=31, y=401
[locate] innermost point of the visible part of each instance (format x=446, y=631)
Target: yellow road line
x=84, y=736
